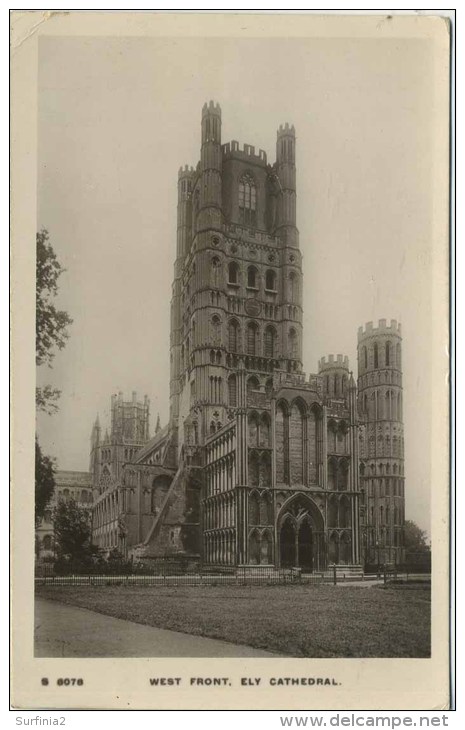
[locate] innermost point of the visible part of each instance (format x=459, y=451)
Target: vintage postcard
x=230, y=362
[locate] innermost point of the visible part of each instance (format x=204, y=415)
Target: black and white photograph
x=239, y=435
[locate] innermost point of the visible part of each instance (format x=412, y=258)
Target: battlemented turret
x=335, y=372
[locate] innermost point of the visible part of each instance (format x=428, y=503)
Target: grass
x=299, y=621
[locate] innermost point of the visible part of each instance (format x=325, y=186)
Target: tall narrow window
x=375, y=355
x=233, y=336
x=293, y=287
x=270, y=340
x=232, y=391
x=270, y=280
x=195, y=209
x=216, y=330
x=252, y=277
x=252, y=385
x=215, y=271
x=252, y=331
x=233, y=273
x=247, y=200
x=293, y=343
x=388, y=354
x=365, y=357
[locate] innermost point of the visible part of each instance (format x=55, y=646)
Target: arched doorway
x=301, y=535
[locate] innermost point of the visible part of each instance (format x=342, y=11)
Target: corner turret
x=208, y=208
x=285, y=175
x=335, y=372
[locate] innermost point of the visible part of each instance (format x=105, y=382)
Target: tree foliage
x=415, y=539
x=51, y=323
x=73, y=544
x=44, y=482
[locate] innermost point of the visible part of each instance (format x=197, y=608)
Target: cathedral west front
x=259, y=464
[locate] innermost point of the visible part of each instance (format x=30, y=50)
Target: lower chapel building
x=259, y=463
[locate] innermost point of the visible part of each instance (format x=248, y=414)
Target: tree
x=51, y=333
x=72, y=527
x=51, y=323
x=44, y=482
x=415, y=539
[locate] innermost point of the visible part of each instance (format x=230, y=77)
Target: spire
x=352, y=385
x=158, y=426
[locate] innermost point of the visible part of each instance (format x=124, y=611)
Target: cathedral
x=259, y=464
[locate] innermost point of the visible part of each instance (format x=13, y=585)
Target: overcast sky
x=117, y=117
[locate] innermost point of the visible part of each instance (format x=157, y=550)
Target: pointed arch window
x=247, y=200
x=375, y=355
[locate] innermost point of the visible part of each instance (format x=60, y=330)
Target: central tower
x=237, y=290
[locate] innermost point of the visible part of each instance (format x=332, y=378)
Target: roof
x=73, y=478
x=152, y=444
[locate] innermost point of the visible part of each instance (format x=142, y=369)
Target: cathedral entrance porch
x=301, y=535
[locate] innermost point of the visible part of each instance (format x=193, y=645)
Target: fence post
x=334, y=575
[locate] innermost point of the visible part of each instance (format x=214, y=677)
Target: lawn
x=299, y=621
